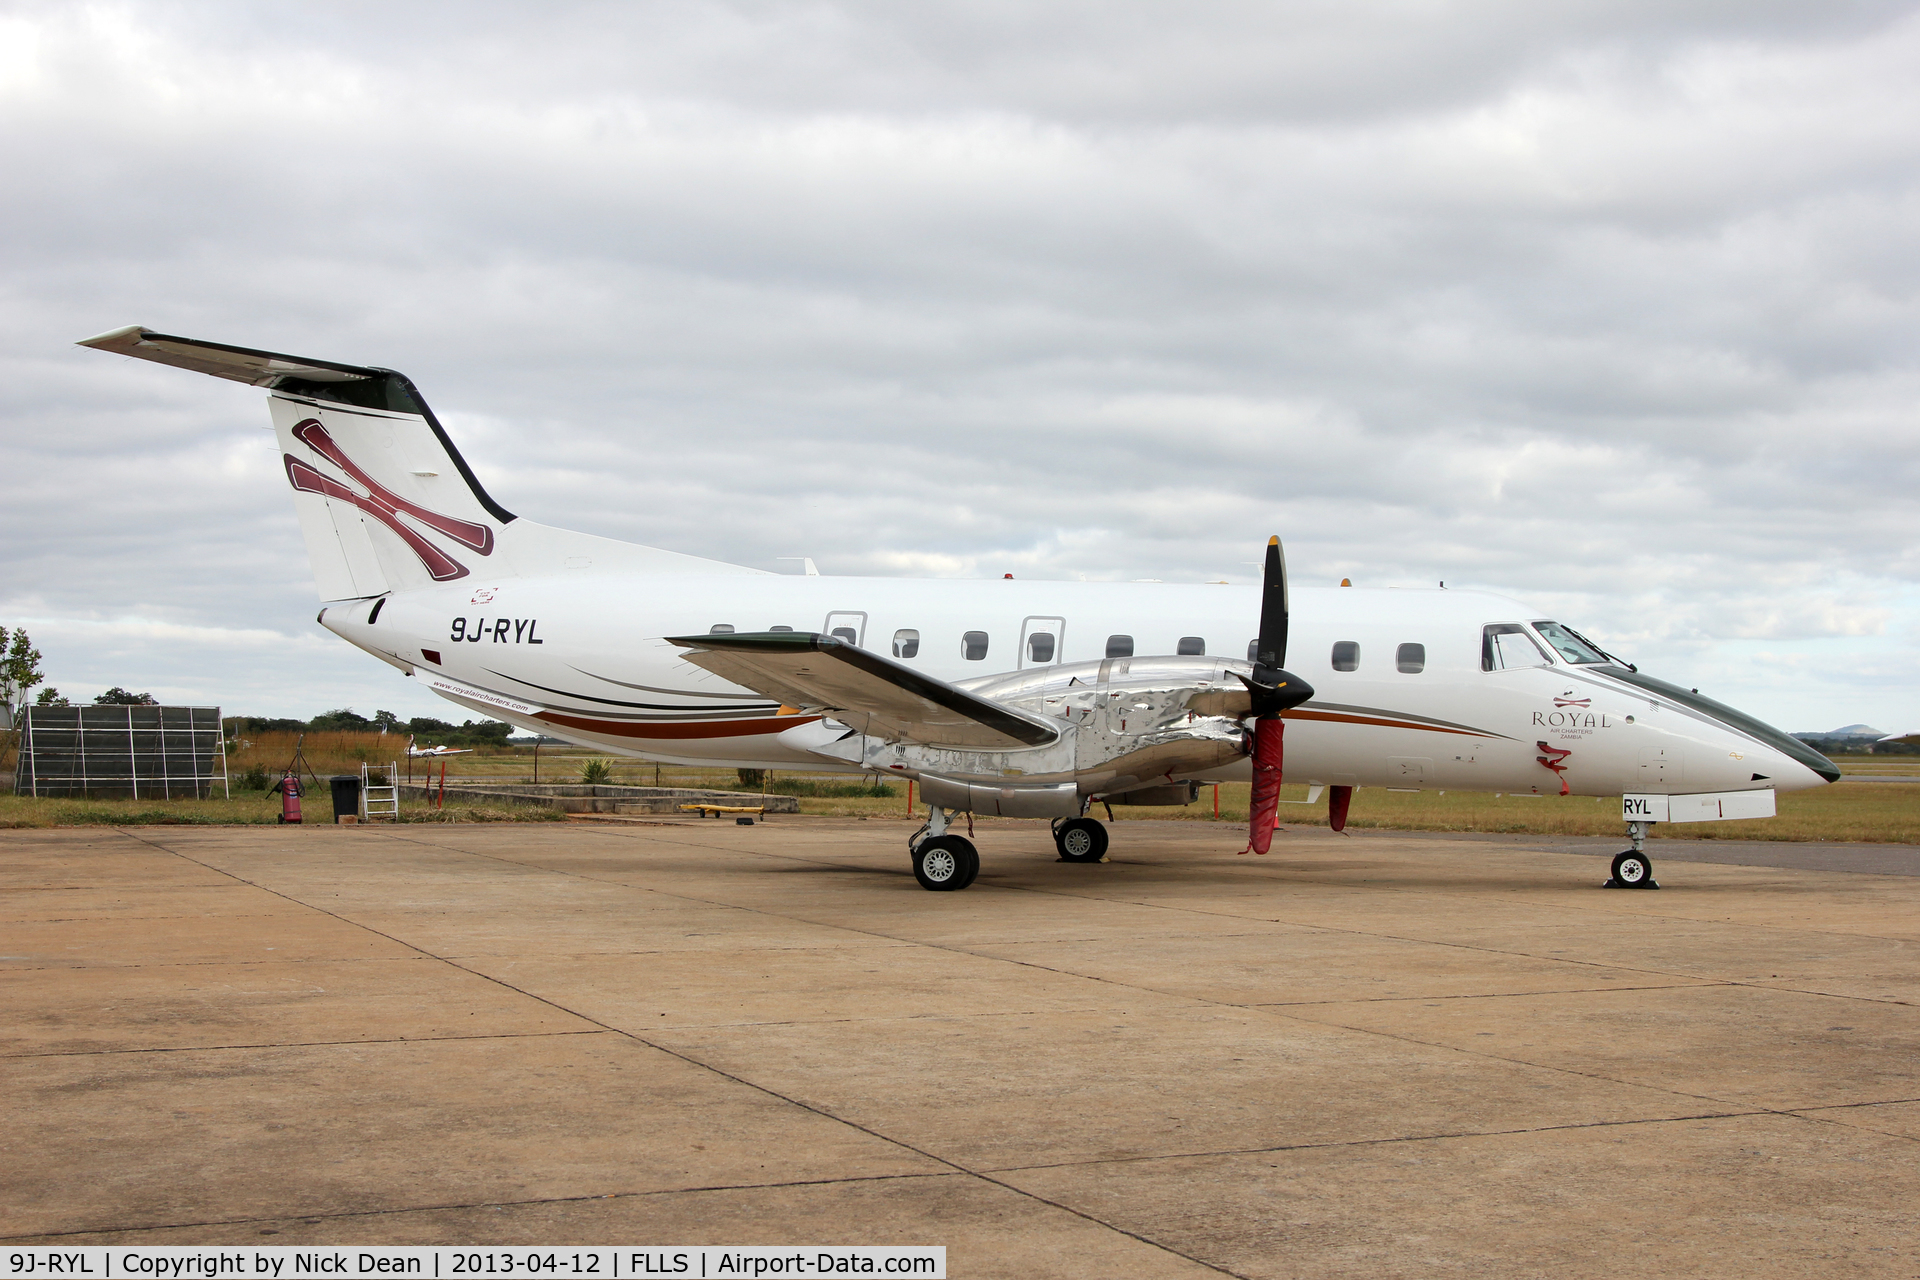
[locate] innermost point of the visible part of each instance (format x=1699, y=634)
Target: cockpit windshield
x=1568, y=643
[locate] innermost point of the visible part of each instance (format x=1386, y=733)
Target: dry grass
x=331, y=753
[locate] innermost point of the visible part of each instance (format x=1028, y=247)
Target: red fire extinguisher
x=289, y=789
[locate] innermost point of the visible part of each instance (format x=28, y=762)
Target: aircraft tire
x=1081, y=840
x=945, y=863
x=1633, y=870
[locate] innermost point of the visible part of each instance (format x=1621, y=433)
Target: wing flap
x=875, y=695
x=237, y=364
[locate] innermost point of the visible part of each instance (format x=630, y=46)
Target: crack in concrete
x=730, y=1076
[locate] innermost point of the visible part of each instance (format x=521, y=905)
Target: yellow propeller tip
x=1274, y=541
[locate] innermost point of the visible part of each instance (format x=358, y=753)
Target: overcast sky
x=1610, y=306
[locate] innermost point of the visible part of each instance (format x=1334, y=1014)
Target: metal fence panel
x=140, y=753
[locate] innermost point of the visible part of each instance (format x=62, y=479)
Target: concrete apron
x=1356, y=1056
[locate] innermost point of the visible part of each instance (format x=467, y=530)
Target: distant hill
x=1846, y=731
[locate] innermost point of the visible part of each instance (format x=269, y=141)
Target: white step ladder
x=379, y=803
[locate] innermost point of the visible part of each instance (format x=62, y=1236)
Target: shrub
x=596, y=772
x=254, y=779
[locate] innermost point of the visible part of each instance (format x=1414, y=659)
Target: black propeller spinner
x=1274, y=688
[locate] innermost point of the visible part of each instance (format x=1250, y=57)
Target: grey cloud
x=1612, y=306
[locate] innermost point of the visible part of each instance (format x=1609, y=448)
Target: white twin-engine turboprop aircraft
x=1026, y=699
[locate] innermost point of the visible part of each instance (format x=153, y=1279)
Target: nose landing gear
x=1634, y=869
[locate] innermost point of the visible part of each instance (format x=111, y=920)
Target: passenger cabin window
x=845, y=633
x=906, y=643
x=1346, y=655
x=720, y=629
x=1040, y=646
x=779, y=628
x=1570, y=644
x=1119, y=646
x=1191, y=646
x=1506, y=645
x=1410, y=659
x=973, y=646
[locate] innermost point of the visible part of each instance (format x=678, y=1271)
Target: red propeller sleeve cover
x=1265, y=807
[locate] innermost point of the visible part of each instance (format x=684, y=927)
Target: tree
x=118, y=697
x=386, y=720
x=50, y=697
x=19, y=670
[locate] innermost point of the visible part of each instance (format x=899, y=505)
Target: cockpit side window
x=1506, y=645
x=1570, y=644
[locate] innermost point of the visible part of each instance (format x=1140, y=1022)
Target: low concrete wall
x=605, y=799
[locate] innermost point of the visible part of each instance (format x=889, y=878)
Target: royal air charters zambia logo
x=1573, y=717
x=384, y=505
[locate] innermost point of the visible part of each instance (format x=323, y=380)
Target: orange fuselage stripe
x=689, y=729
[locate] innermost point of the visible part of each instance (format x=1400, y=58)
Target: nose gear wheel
x=1632, y=870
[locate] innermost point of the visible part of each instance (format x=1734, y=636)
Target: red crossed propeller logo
x=1552, y=759
x=384, y=505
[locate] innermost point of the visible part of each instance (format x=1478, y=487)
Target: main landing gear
x=942, y=862
x=1080, y=839
x=1634, y=869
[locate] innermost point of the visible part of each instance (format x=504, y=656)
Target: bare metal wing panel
x=875, y=695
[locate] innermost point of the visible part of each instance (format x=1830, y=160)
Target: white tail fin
x=385, y=500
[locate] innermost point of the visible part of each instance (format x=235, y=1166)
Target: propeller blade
x=1271, y=649
x=1264, y=808
x=1338, y=799
x=1272, y=690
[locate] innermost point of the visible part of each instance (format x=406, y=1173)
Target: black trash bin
x=346, y=796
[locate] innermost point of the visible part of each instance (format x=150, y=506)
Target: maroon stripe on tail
x=443, y=567
x=468, y=534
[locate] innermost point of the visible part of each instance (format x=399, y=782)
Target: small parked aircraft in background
x=416, y=753
x=1026, y=699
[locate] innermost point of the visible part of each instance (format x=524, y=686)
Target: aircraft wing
x=875, y=695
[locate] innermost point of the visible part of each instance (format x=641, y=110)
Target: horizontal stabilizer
x=238, y=364
x=875, y=695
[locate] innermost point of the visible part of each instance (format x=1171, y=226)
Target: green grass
x=1865, y=811
x=250, y=808
x=1881, y=812
x=1878, y=812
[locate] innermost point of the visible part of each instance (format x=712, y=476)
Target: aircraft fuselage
x=1408, y=703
